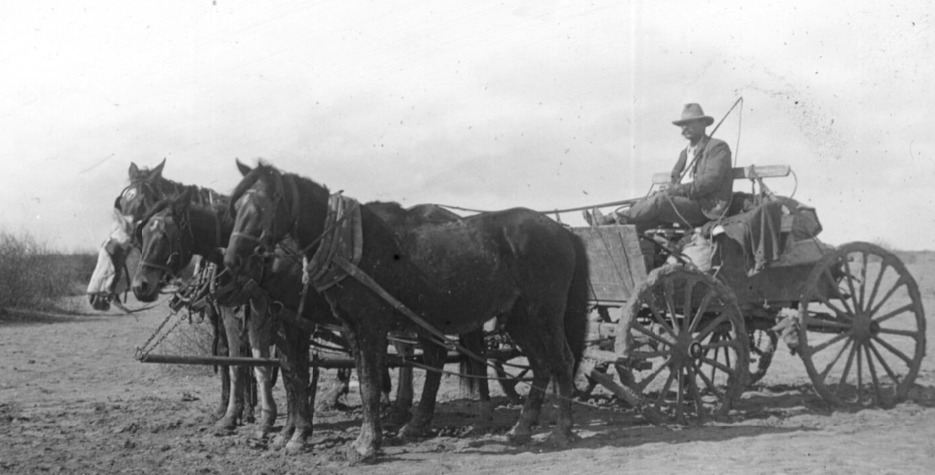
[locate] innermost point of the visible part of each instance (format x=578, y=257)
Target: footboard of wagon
x=617, y=261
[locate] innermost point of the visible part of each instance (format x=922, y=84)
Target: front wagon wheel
x=682, y=345
x=861, y=326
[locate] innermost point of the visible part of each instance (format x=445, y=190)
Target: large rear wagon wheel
x=682, y=345
x=861, y=326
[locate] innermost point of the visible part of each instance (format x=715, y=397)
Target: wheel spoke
x=680, y=397
x=834, y=284
x=892, y=349
x=893, y=331
x=876, y=284
x=669, y=289
x=641, y=386
x=863, y=280
x=824, y=374
x=665, y=388
x=711, y=326
x=886, y=367
x=721, y=343
x=717, y=352
x=702, y=308
x=837, y=311
x=873, y=376
x=661, y=321
x=904, y=308
x=829, y=342
x=709, y=383
x=637, y=327
x=695, y=393
x=847, y=368
x=850, y=283
x=717, y=364
x=687, y=306
x=860, y=374
x=899, y=283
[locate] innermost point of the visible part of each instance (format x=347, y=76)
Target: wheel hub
x=864, y=327
x=694, y=350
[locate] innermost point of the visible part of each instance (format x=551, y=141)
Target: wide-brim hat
x=693, y=112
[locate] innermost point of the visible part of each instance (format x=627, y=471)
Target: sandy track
x=73, y=400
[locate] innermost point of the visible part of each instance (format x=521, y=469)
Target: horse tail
x=576, y=305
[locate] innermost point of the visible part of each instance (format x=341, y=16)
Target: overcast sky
x=480, y=104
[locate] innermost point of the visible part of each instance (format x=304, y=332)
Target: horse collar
x=342, y=238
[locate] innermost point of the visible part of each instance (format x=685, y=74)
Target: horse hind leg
x=539, y=331
x=434, y=359
x=474, y=384
x=398, y=413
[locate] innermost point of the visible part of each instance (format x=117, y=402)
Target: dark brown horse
x=175, y=229
x=170, y=235
x=516, y=264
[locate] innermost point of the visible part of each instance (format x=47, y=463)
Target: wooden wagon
x=683, y=339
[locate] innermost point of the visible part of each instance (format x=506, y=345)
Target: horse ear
x=244, y=169
x=157, y=172
x=134, y=171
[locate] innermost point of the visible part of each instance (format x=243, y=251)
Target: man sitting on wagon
x=705, y=198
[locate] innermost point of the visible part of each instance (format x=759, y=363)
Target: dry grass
x=32, y=277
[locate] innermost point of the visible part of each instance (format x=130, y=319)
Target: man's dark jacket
x=712, y=179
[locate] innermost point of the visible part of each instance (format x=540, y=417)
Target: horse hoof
x=561, y=439
x=279, y=442
x=226, y=423
x=410, y=431
x=354, y=456
x=294, y=447
x=518, y=437
x=396, y=417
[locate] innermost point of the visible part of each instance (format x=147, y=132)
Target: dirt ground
x=74, y=400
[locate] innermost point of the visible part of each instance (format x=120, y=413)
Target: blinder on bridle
x=139, y=190
x=178, y=254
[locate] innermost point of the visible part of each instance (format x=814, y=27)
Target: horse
x=170, y=235
x=146, y=188
x=515, y=264
x=176, y=229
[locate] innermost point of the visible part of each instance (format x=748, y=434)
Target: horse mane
x=167, y=188
x=266, y=171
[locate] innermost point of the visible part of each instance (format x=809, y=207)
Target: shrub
x=32, y=277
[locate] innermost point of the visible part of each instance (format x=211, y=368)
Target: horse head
x=261, y=211
x=166, y=237
x=143, y=192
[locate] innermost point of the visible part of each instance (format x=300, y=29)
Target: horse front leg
x=235, y=402
x=259, y=326
x=434, y=357
x=294, y=364
x=369, y=349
